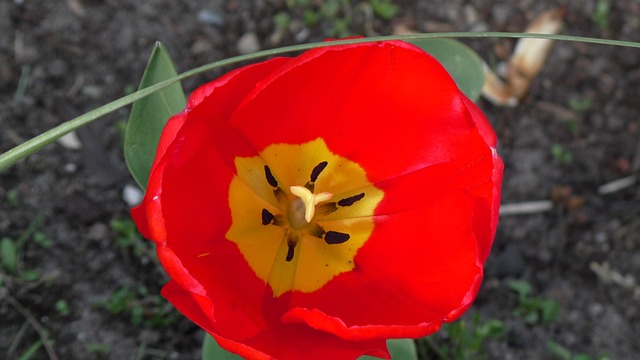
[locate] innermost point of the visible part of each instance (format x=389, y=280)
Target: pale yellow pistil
x=305, y=204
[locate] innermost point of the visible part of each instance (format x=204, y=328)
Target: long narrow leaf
x=150, y=114
x=30, y=146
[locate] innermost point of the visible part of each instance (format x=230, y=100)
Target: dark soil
x=91, y=292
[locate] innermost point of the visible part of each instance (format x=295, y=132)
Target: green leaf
x=462, y=63
x=212, y=351
x=490, y=329
x=150, y=114
x=8, y=255
x=30, y=275
x=384, y=9
x=550, y=310
x=31, y=351
x=558, y=350
x=521, y=287
x=400, y=349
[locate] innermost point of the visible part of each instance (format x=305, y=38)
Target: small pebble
x=201, y=46
x=248, y=43
x=303, y=35
x=70, y=141
x=132, y=195
x=470, y=15
x=210, y=17
x=70, y=168
x=92, y=91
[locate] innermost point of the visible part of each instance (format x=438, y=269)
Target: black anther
x=334, y=237
x=292, y=248
x=267, y=217
x=270, y=179
x=317, y=170
x=350, y=200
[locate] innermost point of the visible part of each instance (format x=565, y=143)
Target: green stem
x=31, y=146
x=30, y=230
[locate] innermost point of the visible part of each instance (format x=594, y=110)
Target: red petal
x=297, y=341
x=423, y=264
x=230, y=91
x=185, y=303
x=185, y=210
x=484, y=127
x=418, y=269
x=485, y=219
x=434, y=223
x=279, y=341
x=428, y=214
x=387, y=106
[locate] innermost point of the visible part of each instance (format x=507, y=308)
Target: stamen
x=317, y=170
x=330, y=237
x=350, y=200
x=292, y=241
x=334, y=237
x=267, y=217
x=331, y=207
x=290, y=251
x=314, y=175
x=303, y=208
x=277, y=191
x=310, y=200
x=270, y=178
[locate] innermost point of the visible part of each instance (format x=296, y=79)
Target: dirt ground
x=87, y=285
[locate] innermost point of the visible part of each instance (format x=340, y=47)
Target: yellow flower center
x=300, y=238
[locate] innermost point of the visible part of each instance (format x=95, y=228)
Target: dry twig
x=36, y=326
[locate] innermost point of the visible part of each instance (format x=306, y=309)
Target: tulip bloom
x=313, y=207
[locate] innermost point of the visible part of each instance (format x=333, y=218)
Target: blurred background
x=564, y=276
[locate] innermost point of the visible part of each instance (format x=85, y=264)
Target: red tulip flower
x=314, y=207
